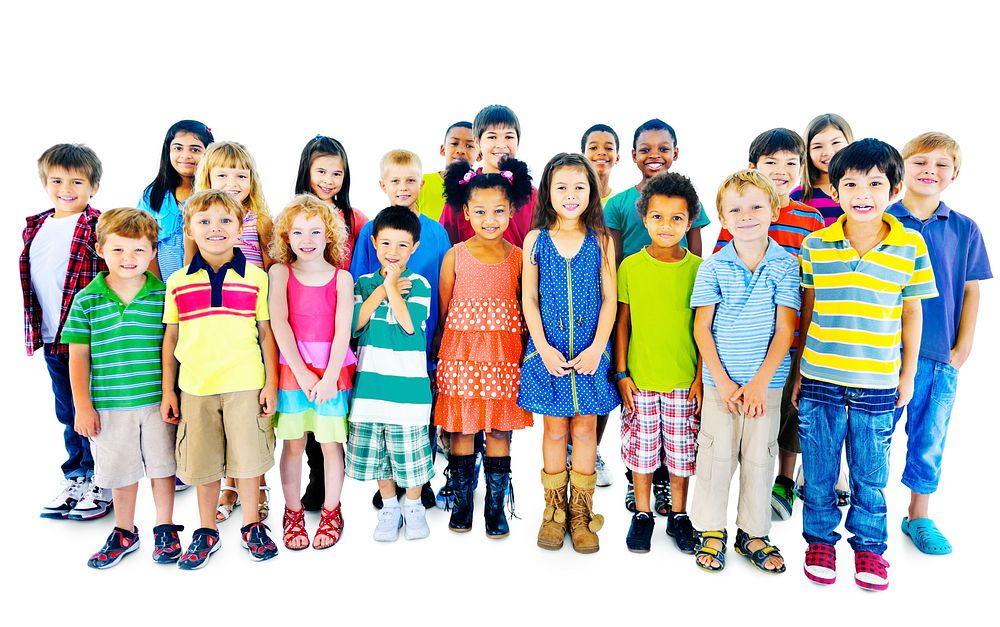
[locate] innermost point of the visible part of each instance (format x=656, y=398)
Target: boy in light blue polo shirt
x=958, y=254
x=746, y=297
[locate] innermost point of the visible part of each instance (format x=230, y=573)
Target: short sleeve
x=418, y=301
x=613, y=212
x=805, y=263
x=702, y=219
x=144, y=200
x=263, y=313
x=977, y=267
x=170, y=315
x=921, y=284
x=786, y=289
x=707, y=290
x=623, y=273
x=77, y=327
x=359, y=299
x=364, y=260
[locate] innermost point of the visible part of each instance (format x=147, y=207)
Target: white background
x=382, y=76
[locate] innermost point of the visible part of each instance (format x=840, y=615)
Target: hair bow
x=507, y=174
x=468, y=177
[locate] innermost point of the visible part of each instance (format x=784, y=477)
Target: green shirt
x=391, y=386
x=430, y=202
x=622, y=215
x=661, y=351
x=125, y=342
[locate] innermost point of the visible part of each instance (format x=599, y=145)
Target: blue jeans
x=927, y=418
x=80, y=462
x=829, y=414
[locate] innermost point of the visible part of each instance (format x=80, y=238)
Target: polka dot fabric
x=478, y=374
x=569, y=297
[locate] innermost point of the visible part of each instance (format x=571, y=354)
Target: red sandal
x=331, y=525
x=294, y=526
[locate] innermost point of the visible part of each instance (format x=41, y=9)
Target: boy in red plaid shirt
x=658, y=371
x=59, y=259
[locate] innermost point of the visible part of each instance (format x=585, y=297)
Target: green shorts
x=379, y=451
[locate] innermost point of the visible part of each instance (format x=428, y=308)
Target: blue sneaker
x=445, y=498
x=166, y=543
x=119, y=544
x=204, y=542
x=255, y=539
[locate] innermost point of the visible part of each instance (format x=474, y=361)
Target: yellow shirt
x=431, y=198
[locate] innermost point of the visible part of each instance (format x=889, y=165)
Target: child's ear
x=381, y=184
x=416, y=245
x=677, y=153
x=99, y=249
x=465, y=211
x=752, y=165
x=93, y=192
x=634, y=155
x=372, y=238
x=442, y=150
x=896, y=189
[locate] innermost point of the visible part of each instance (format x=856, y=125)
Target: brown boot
x=553, y=530
x=583, y=522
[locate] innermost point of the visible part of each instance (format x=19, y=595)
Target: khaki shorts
x=132, y=443
x=223, y=434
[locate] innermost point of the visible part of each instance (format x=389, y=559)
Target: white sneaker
x=604, y=476
x=390, y=519
x=70, y=491
x=95, y=503
x=416, y=522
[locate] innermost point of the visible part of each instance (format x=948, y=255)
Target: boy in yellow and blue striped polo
x=863, y=277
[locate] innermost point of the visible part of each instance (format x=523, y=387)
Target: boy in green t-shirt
x=658, y=370
x=459, y=143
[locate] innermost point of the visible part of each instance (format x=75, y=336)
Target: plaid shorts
x=379, y=451
x=663, y=425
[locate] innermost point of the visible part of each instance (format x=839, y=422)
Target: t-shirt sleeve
x=449, y=221
x=921, y=283
x=977, y=267
x=706, y=286
x=359, y=299
x=144, y=200
x=418, y=301
x=623, y=272
x=805, y=263
x=263, y=313
x=786, y=289
x=364, y=254
x=77, y=327
x=702, y=219
x=613, y=212
x=170, y=315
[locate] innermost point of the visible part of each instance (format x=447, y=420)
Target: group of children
x=183, y=336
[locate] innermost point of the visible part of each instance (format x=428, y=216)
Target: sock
x=390, y=503
x=411, y=503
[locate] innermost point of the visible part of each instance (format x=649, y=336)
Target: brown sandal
x=294, y=526
x=331, y=525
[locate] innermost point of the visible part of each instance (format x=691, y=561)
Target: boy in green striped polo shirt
x=115, y=331
x=391, y=400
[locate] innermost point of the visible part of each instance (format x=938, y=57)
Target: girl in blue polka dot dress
x=569, y=300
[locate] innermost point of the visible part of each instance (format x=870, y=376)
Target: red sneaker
x=821, y=563
x=870, y=570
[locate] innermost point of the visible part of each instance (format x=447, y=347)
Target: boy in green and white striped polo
x=115, y=332
x=391, y=401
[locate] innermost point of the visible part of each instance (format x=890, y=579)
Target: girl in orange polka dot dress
x=478, y=371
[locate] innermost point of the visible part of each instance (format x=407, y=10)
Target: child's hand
x=588, y=360
x=392, y=272
x=170, y=407
x=727, y=391
x=958, y=357
x=268, y=399
x=307, y=380
x=796, y=391
x=324, y=390
x=627, y=390
x=754, y=398
x=696, y=395
x=904, y=392
x=87, y=422
x=403, y=285
x=554, y=361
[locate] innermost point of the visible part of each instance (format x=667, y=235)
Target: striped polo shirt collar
x=899, y=210
x=774, y=251
x=217, y=279
x=100, y=286
x=896, y=236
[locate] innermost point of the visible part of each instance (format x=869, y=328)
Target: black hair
x=167, y=179
x=602, y=128
x=777, y=140
x=457, y=189
x=862, y=156
x=321, y=146
x=462, y=124
x=592, y=215
x=673, y=185
x=656, y=124
x=492, y=116
x=399, y=218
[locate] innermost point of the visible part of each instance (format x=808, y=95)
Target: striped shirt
x=856, y=330
x=391, y=386
x=745, y=311
x=124, y=340
x=823, y=202
x=217, y=315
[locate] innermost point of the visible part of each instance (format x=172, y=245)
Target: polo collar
x=896, y=236
x=774, y=251
x=899, y=210
x=237, y=263
x=100, y=285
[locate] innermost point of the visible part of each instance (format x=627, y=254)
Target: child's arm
x=170, y=407
x=694, y=240
x=327, y=386
x=754, y=393
x=446, y=285
x=589, y=359
x=703, y=317
x=616, y=237
x=696, y=394
x=555, y=362
x=269, y=351
x=368, y=307
x=623, y=333
x=264, y=241
x=966, y=325
x=87, y=422
x=277, y=304
x=805, y=318
x=395, y=298
x=913, y=319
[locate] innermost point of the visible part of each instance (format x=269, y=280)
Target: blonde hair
x=399, y=157
x=741, y=179
x=929, y=142
x=127, y=222
x=201, y=201
x=230, y=154
x=309, y=206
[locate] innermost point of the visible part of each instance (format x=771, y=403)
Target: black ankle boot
x=497, y=486
x=315, y=494
x=460, y=470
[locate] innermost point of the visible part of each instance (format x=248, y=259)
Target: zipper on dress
x=572, y=373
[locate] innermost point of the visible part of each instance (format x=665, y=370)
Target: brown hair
x=127, y=222
x=201, y=201
x=928, y=142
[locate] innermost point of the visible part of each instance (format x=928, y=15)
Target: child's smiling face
x=185, y=153
x=326, y=177
x=784, y=168
x=654, y=152
x=126, y=257
x=402, y=183
x=215, y=230
x=233, y=181
x=929, y=173
x=394, y=246
x=459, y=145
x=747, y=215
x=569, y=192
x=666, y=220
x=602, y=151
x=307, y=237
x=69, y=190
x=864, y=196
x=496, y=143
x=488, y=212
x=824, y=145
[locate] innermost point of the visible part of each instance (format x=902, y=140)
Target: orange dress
x=478, y=373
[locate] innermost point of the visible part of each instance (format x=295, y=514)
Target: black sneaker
x=255, y=539
x=166, y=543
x=679, y=528
x=119, y=544
x=640, y=532
x=427, y=497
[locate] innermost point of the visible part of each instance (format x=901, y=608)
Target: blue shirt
x=958, y=254
x=425, y=261
x=745, y=311
x=170, y=241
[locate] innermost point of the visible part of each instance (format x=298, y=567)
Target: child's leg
x=124, y=499
x=643, y=483
x=677, y=426
x=556, y=430
x=602, y=424
x=290, y=468
x=208, y=496
x=163, y=499
x=463, y=443
x=584, y=430
x=869, y=433
x=498, y=444
x=248, y=490
x=788, y=430
x=716, y=461
x=80, y=462
x=758, y=449
x=640, y=436
x=822, y=429
x=333, y=460
x=387, y=488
